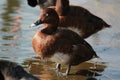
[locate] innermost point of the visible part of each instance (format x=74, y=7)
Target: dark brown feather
x=81, y=19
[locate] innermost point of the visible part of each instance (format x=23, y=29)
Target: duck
x=12, y=71
x=59, y=45
x=42, y=3
x=78, y=19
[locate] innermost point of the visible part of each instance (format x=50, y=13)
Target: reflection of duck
x=11, y=7
x=60, y=45
x=78, y=19
x=84, y=71
x=12, y=71
x=16, y=24
x=90, y=71
x=91, y=78
x=40, y=69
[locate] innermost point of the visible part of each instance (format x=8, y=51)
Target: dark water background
x=16, y=36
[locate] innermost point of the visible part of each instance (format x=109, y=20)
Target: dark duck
x=42, y=3
x=59, y=45
x=78, y=19
x=12, y=71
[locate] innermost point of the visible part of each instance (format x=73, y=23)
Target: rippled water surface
x=16, y=36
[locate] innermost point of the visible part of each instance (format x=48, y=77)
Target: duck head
x=50, y=20
x=32, y=3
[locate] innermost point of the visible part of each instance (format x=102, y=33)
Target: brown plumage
x=60, y=45
x=78, y=19
x=62, y=7
x=86, y=23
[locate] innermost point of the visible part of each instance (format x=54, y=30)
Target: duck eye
x=47, y=15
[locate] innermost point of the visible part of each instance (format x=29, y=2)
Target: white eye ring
x=46, y=14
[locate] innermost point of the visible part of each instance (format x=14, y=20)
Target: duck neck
x=49, y=29
x=62, y=7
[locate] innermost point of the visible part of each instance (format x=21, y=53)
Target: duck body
x=64, y=47
x=81, y=21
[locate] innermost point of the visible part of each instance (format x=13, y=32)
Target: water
x=16, y=36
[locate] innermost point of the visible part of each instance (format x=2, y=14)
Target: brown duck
x=62, y=46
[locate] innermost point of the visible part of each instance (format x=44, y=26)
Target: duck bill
x=38, y=22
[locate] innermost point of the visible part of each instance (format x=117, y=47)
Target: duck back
x=83, y=20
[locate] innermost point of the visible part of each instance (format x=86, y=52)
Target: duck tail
x=106, y=25
x=96, y=56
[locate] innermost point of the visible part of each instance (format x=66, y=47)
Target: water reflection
x=10, y=28
x=10, y=15
x=81, y=72
x=10, y=8
x=11, y=21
